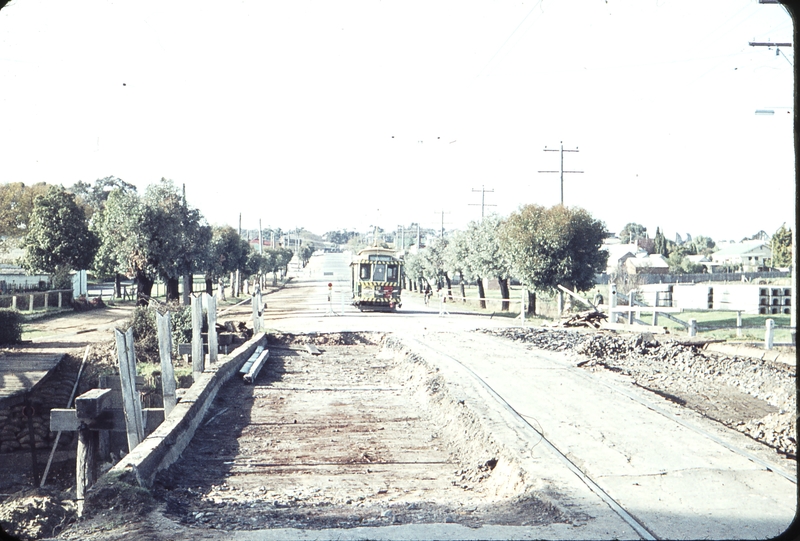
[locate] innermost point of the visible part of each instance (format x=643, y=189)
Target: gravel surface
x=754, y=396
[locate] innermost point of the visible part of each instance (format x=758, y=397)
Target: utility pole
x=260, y=242
x=483, y=191
x=770, y=45
x=561, y=171
x=443, y=213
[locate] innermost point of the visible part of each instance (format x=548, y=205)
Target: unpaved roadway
x=412, y=426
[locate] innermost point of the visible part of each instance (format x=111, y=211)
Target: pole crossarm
x=561, y=150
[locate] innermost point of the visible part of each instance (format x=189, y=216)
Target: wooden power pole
x=561, y=170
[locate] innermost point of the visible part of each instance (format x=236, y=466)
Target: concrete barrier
x=164, y=446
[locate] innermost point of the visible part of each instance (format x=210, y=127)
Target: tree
x=490, y=259
x=782, y=247
x=660, y=243
x=125, y=246
x=179, y=236
x=556, y=245
x=94, y=197
x=632, y=231
x=227, y=253
x=58, y=238
x=16, y=207
x=306, y=251
x=457, y=259
x=703, y=245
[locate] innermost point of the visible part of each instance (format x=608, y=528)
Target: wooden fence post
x=14, y=302
x=164, y=325
x=256, y=313
x=130, y=398
x=198, y=356
x=213, y=341
x=46, y=300
x=30, y=304
x=738, y=323
x=60, y=299
x=692, y=327
x=769, y=334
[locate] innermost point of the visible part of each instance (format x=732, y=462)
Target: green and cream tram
x=375, y=278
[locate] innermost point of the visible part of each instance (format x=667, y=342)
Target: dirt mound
x=36, y=513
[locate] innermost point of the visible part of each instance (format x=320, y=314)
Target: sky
x=350, y=114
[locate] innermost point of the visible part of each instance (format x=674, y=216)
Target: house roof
x=742, y=248
x=652, y=261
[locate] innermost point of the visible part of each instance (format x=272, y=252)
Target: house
x=618, y=253
x=746, y=255
x=647, y=264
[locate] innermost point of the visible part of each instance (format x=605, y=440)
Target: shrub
x=10, y=326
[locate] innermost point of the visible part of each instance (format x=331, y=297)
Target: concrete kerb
x=164, y=446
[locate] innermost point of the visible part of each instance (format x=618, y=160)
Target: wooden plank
x=130, y=398
x=92, y=403
x=313, y=350
x=164, y=327
x=198, y=357
x=213, y=342
x=252, y=374
x=66, y=420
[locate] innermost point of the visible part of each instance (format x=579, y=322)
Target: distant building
x=747, y=255
x=647, y=264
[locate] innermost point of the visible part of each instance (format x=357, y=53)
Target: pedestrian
x=427, y=294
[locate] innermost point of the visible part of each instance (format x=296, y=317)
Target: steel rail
x=640, y=529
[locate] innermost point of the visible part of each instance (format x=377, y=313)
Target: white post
x=213, y=342
x=738, y=323
x=14, y=302
x=692, y=327
x=30, y=304
x=769, y=335
x=522, y=306
x=60, y=300
x=164, y=327
x=612, y=301
x=630, y=305
x=198, y=356
x=46, y=300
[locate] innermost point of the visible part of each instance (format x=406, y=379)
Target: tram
x=375, y=279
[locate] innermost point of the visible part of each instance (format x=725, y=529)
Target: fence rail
x=32, y=300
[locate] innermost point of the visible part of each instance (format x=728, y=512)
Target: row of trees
x=113, y=230
x=541, y=247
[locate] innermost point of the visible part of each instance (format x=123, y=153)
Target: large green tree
x=58, y=238
x=125, y=246
x=179, y=235
x=556, y=245
x=489, y=258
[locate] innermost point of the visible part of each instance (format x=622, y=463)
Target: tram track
x=586, y=457
x=633, y=522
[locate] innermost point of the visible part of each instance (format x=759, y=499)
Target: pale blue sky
x=286, y=111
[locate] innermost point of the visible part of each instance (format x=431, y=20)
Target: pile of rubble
x=754, y=396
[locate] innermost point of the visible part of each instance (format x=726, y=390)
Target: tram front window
x=379, y=273
x=363, y=272
x=391, y=274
